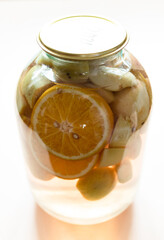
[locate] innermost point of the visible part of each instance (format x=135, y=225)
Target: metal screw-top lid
x=82, y=37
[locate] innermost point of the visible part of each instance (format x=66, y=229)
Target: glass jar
x=83, y=106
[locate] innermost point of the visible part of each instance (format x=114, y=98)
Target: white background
x=20, y=218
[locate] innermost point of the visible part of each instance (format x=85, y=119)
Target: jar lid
x=82, y=37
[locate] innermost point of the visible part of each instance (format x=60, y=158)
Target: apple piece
x=111, y=156
x=112, y=79
x=34, y=84
x=130, y=100
x=122, y=131
x=124, y=172
x=106, y=94
x=98, y=183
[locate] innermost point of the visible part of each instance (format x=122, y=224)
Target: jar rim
x=91, y=37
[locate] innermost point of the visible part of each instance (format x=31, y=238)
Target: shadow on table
x=50, y=228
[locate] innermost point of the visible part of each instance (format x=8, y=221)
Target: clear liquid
x=61, y=199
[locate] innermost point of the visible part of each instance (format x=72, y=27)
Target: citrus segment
x=97, y=183
x=73, y=123
x=59, y=167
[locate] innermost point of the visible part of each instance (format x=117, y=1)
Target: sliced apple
x=125, y=172
x=106, y=94
x=111, y=156
x=122, y=131
x=44, y=59
x=112, y=79
x=22, y=106
x=34, y=84
x=98, y=183
x=130, y=100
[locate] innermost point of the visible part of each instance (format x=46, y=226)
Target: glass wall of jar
x=83, y=125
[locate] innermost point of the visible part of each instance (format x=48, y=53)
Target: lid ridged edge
x=89, y=56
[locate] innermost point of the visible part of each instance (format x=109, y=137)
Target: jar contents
x=82, y=123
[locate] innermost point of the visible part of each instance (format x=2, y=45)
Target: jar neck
x=80, y=70
x=119, y=61
x=114, y=59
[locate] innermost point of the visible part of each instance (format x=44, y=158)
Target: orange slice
x=74, y=123
x=59, y=167
x=35, y=168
